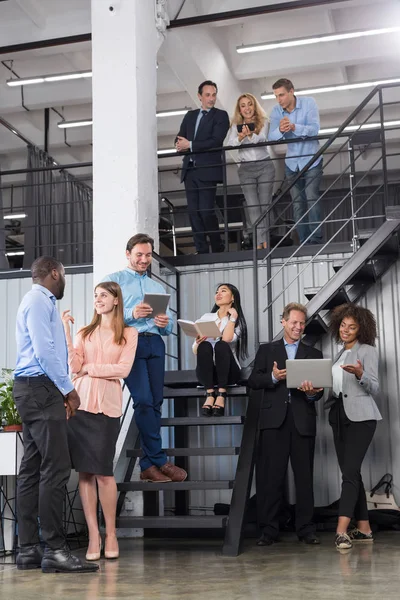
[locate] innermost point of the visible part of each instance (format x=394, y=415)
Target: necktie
x=202, y=113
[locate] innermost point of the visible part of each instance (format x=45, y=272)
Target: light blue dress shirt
x=306, y=118
x=134, y=286
x=41, y=344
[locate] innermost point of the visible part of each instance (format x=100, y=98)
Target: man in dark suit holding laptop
x=200, y=130
x=287, y=429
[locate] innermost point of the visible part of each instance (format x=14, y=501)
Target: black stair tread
x=228, y=451
x=195, y=392
x=187, y=421
x=188, y=378
x=366, y=274
x=340, y=297
x=146, y=486
x=187, y=522
x=316, y=326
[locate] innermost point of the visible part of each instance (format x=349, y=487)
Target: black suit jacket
x=274, y=404
x=211, y=133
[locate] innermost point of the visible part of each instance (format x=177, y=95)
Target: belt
x=147, y=334
x=32, y=378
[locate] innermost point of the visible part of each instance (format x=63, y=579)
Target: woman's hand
x=308, y=388
x=232, y=312
x=244, y=133
x=356, y=370
x=67, y=319
x=200, y=339
x=81, y=373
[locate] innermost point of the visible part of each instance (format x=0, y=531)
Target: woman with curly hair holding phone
x=353, y=413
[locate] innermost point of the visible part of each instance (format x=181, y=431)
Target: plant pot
x=12, y=427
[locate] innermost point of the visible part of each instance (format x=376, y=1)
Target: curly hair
x=364, y=318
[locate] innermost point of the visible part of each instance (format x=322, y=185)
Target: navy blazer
x=211, y=133
x=275, y=401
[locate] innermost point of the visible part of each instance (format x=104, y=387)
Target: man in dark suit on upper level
x=287, y=430
x=200, y=130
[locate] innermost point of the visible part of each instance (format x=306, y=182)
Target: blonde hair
x=259, y=113
x=118, y=321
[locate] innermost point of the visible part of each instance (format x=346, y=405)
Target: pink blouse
x=106, y=362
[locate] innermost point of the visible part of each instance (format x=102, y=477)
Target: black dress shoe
x=265, y=540
x=62, y=561
x=29, y=557
x=309, y=538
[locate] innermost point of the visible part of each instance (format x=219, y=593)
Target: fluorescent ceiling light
x=315, y=40
x=81, y=123
x=16, y=216
x=17, y=253
x=49, y=78
x=166, y=151
x=361, y=127
x=337, y=88
x=173, y=112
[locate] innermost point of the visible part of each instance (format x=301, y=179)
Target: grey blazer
x=359, y=396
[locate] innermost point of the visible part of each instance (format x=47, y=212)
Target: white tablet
x=158, y=302
x=316, y=370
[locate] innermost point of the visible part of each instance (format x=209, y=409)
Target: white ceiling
x=187, y=56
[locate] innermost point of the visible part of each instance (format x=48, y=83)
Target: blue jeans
x=146, y=385
x=304, y=193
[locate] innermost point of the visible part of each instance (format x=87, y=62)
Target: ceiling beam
x=249, y=12
x=61, y=41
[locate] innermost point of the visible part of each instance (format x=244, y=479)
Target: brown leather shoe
x=175, y=473
x=154, y=475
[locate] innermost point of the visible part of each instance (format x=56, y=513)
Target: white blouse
x=337, y=374
x=221, y=324
x=249, y=154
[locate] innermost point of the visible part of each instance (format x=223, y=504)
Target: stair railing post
x=383, y=142
x=352, y=175
x=225, y=197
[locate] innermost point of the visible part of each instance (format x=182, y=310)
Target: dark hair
x=286, y=83
x=43, y=266
x=241, y=344
x=293, y=306
x=207, y=82
x=118, y=323
x=364, y=318
x=139, y=238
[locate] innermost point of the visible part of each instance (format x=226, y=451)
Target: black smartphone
x=251, y=127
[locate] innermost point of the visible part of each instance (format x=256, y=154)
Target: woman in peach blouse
x=103, y=354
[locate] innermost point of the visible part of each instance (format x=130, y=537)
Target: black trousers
x=200, y=197
x=225, y=371
x=275, y=448
x=45, y=467
x=352, y=439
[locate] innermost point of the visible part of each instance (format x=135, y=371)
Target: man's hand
x=142, y=311
x=161, y=321
x=182, y=144
x=285, y=125
x=72, y=403
x=309, y=389
x=356, y=370
x=279, y=374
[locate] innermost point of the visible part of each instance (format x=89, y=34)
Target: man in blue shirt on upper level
x=146, y=379
x=298, y=117
x=45, y=398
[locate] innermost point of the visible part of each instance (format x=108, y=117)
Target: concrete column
x=124, y=54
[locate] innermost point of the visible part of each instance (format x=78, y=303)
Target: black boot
x=29, y=557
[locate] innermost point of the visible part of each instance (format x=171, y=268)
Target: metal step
x=146, y=486
x=195, y=392
x=339, y=297
x=316, y=326
x=172, y=522
x=366, y=274
x=188, y=421
x=190, y=452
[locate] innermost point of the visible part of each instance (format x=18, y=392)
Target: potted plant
x=9, y=415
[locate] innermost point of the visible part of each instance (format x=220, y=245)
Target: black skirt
x=92, y=439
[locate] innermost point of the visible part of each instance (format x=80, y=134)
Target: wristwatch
x=232, y=320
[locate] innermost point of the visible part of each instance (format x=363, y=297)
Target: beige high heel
x=111, y=553
x=95, y=555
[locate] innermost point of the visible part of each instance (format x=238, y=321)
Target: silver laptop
x=318, y=371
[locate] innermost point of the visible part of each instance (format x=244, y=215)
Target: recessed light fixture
x=49, y=78
x=172, y=113
x=15, y=253
x=16, y=216
x=81, y=123
x=386, y=124
x=166, y=151
x=318, y=39
x=337, y=88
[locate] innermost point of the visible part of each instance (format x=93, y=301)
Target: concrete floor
x=195, y=570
